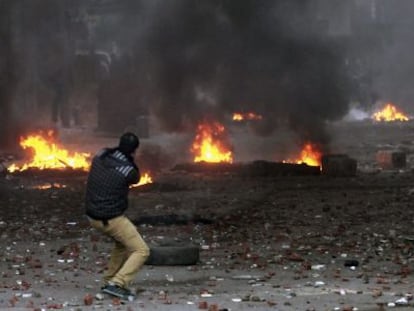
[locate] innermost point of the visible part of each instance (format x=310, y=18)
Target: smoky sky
x=391, y=62
x=299, y=63
x=212, y=58
x=188, y=60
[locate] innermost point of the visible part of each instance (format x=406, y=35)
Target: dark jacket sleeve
x=134, y=176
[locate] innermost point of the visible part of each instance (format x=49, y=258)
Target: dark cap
x=128, y=143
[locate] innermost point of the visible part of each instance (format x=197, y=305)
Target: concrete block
x=388, y=159
x=339, y=165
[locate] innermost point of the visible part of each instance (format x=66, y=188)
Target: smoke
x=297, y=63
x=213, y=58
x=390, y=61
x=32, y=56
x=188, y=60
x=7, y=78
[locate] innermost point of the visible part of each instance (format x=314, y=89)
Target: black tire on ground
x=171, y=219
x=173, y=256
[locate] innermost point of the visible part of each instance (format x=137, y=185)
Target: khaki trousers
x=129, y=253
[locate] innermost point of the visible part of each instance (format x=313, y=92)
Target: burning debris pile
x=48, y=157
x=390, y=113
x=211, y=144
x=247, y=116
x=212, y=152
x=310, y=155
x=47, y=154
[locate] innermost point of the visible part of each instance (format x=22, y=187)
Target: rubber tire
x=171, y=219
x=173, y=256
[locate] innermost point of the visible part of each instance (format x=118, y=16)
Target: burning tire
x=173, y=255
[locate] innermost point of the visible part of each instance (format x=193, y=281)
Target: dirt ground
x=274, y=243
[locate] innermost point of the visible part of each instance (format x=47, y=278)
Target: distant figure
x=112, y=172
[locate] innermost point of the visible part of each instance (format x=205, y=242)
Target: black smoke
x=33, y=58
x=213, y=58
x=187, y=60
x=6, y=74
x=390, y=60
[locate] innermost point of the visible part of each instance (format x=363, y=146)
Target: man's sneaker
x=118, y=291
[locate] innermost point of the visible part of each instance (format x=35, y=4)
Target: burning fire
x=49, y=186
x=47, y=154
x=309, y=155
x=145, y=179
x=238, y=116
x=210, y=144
x=389, y=113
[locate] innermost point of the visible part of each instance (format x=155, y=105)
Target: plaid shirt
x=108, y=183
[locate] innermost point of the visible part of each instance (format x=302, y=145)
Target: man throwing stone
x=113, y=170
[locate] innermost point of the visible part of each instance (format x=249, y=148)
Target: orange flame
x=210, y=144
x=49, y=186
x=310, y=155
x=48, y=155
x=145, y=179
x=238, y=116
x=389, y=113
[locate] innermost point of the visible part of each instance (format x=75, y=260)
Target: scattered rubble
x=263, y=241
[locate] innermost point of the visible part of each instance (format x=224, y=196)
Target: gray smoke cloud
x=213, y=58
x=7, y=77
x=31, y=53
x=193, y=60
x=390, y=60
